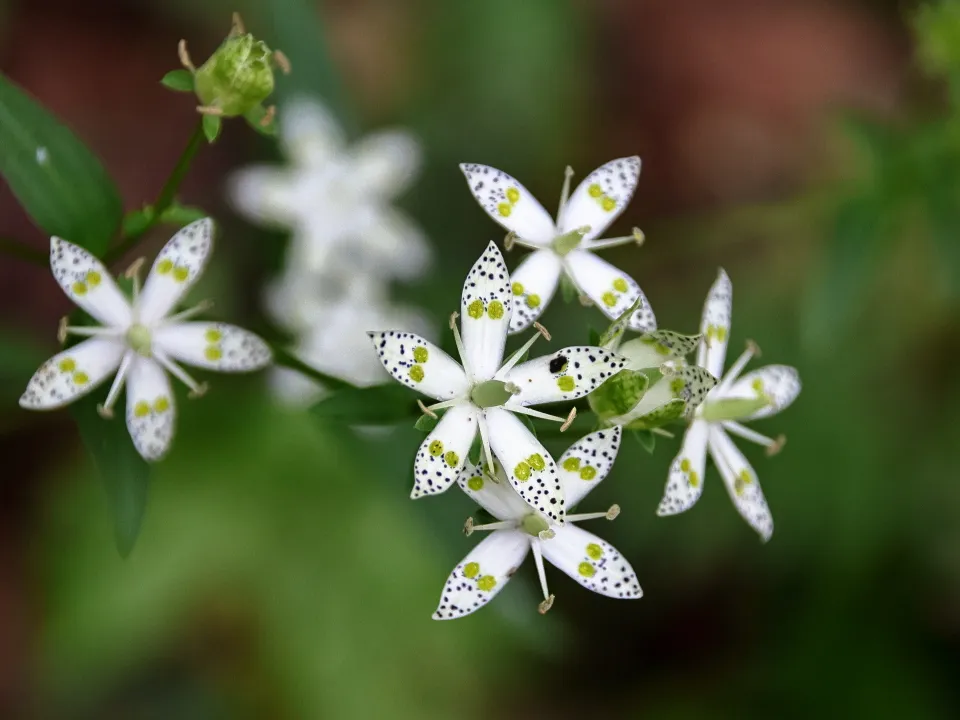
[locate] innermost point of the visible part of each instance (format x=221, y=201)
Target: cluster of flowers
x=643, y=383
x=347, y=242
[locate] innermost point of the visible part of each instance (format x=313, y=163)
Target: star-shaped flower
x=758, y=394
x=484, y=395
x=140, y=340
x=592, y=562
x=335, y=199
x=567, y=245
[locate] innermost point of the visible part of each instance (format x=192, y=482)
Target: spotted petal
x=485, y=307
x=72, y=373
x=592, y=562
x=88, y=283
x=533, y=284
x=444, y=451
x=685, y=481
x=601, y=197
x=497, y=498
x=176, y=270
x=213, y=345
x=420, y=364
x=482, y=574
x=715, y=325
x=741, y=482
x=567, y=374
x=779, y=383
x=529, y=467
x=510, y=204
x=151, y=412
x=652, y=349
x=587, y=462
x=611, y=289
x=689, y=385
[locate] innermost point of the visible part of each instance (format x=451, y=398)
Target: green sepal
x=610, y=340
x=178, y=81
x=426, y=424
x=647, y=440
x=568, y=289
x=619, y=394
x=662, y=415
x=733, y=408
x=255, y=118
x=593, y=337
x=136, y=222
x=476, y=449
x=211, y=127
x=525, y=419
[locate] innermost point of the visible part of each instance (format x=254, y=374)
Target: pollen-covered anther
x=543, y=607
x=199, y=391
x=237, y=26
x=569, y=421
x=777, y=445
x=509, y=241
x=613, y=512
x=104, y=412
x=210, y=110
x=512, y=388
x=753, y=348
x=425, y=410
x=453, y=320
x=184, y=56
x=638, y=236
x=547, y=534
x=62, y=330
x=468, y=527
x=543, y=331
x=585, y=301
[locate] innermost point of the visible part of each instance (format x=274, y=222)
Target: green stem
x=284, y=358
x=166, y=197
x=22, y=252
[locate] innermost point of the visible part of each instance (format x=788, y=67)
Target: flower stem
x=284, y=358
x=22, y=252
x=165, y=199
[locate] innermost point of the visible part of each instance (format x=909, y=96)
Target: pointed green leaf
x=426, y=424
x=647, y=440
x=59, y=182
x=211, y=127
x=377, y=405
x=178, y=80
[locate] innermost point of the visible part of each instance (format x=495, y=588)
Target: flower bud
x=237, y=78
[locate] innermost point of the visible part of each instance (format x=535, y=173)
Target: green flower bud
x=237, y=77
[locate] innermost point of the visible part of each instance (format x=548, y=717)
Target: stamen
x=485, y=441
x=670, y=367
x=569, y=421
x=777, y=445
x=509, y=240
x=196, y=389
x=106, y=409
x=200, y=307
x=543, y=607
x=515, y=358
x=524, y=410
x=268, y=116
x=610, y=514
x=282, y=62
x=543, y=331
x=469, y=526
x=538, y=561
x=210, y=110
x=445, y=404
x=63, y=330
x=586, y=301
x=459, y=341
x=750, y=434
x=185, y=56
x=564, y=193
x=425, y=410
x=734, y=372
x=662, y=433
x=133, y=273
x=636, y=236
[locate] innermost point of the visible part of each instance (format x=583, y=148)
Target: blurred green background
x=810, y=148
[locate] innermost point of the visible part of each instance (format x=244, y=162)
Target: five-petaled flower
x=484, y=395
x=592, y=562
x=567, y=245
x=139, y=340
x=757, y=394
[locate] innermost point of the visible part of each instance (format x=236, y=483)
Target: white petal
x=780, y=383
x=533, y=284
x=88, y=283
x=309, y=133
x=444, y=451
x=715, y=325
x=150, y=408
x=263, y=194
x=611, y=289
x=741, y=481
x=482, y=574
x=587, y=462
x=670, y=397
x=176, y=270
x=651, y=349
x=685, y=481
x=393, y=245
x=510, y=203
x=213, y=345
x=485, y=307
x=601, y=197
x=72, y=373
x=529, y=467
x=592, y=562
x=385, y=162
x=420, y=364
x=567, y=374
x=497, y=498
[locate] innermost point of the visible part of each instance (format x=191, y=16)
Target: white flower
x=758, y=394
x=336, y=200
x=483, y=395
x=593, y=563
x=140, y=338
x=567, y=245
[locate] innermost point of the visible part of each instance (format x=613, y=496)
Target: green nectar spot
x=566, y=383
x=677, y=385
x=609, y=299
x=436, y=448
x=588, y=472
x=495, y=311
x=416, y=373
x=586, y=569
x=536, y=461
x=572, y=464
x=475, y=483
x=533, y=300
x=451, y=458
x=522, y=471
x=594, y=551
x=487, y=583
x=517, y=288
x=475, y=309
x=471, y=569
x=420, y=354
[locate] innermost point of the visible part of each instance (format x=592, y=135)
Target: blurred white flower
x=757, y=394
x=592, y=562
x=567, y=245
x=334, y=199
x=140, y=340
x=484, y=393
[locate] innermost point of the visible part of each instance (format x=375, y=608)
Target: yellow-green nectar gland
x=534, y=524
x=732, y=408
x=566, y=243
x=138, y=338
x=490, y=393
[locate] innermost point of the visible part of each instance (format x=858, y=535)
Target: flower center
x=492, y=393
x=534, y=524
x=569, y=241
x=732, y=408
x=138, y=338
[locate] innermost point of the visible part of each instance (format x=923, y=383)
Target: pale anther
x=547, y=534
x=104, y=412
x=209, y=110
x=134, y=269
x=425, y=410
x=453, y=320
x=585, y=301
x=543, y=331
x=753, y=348
x=639, y=236
x=509, y=240
x=185, y=56
x=776, y=446
x=468, y=527
x=268, y=116
x=237, y=27
x=613, y=512
x=662, y=432
x=199, y=391
x=62, y=330
x=569, y=421
x=282, y=61
x=543, y=607
x=512, y=388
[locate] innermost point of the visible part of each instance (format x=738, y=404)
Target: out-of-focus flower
x=757, y=394
x=140, y=341
x=484, y=394
x=567, y=245
x=336, y=200
x=592, y=562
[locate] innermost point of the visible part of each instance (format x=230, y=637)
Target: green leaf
x=426, y=424
x=377, y=405
x=647, y=439
x=211, y=127
x=59, y=182
x=178, y=80
x=125, y=475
